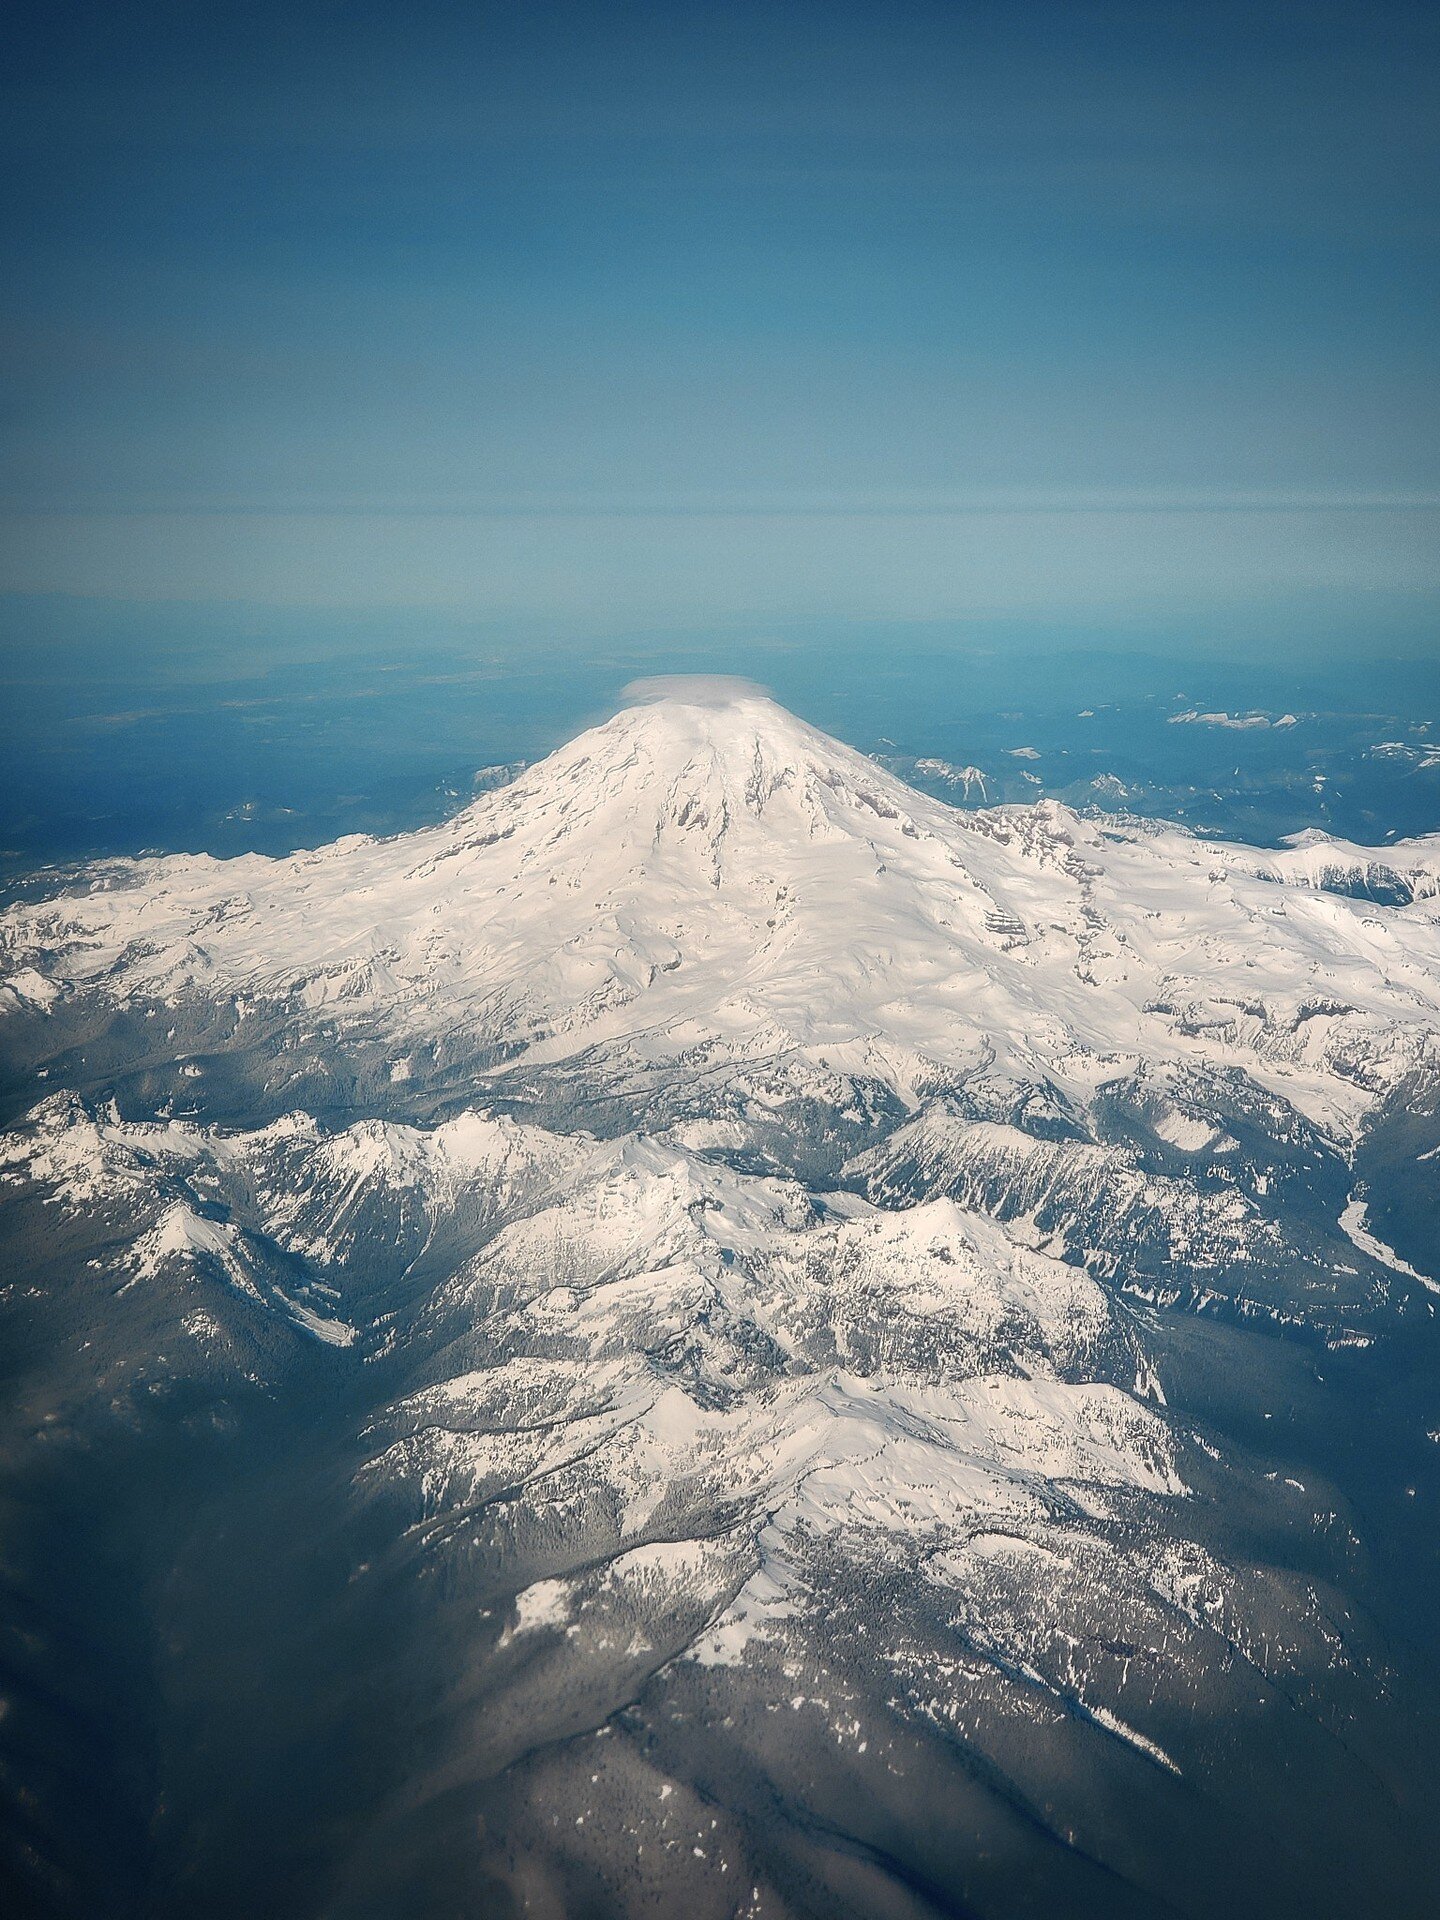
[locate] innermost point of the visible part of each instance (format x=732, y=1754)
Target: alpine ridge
x=717, y=1320
x=681, y=877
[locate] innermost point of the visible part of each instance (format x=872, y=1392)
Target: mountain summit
x=706, y=869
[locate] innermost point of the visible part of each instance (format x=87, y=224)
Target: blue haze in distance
x=385, y=388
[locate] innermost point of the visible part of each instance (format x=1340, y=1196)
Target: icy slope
x=723, y=876
x=653, y=1346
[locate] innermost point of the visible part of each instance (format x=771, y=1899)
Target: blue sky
x=664, y=316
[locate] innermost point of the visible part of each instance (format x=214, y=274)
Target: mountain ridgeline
x=716, y=1336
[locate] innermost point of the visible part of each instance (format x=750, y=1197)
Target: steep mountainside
x=715, y=1335
x=680, y=878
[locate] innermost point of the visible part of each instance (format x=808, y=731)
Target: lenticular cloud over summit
x=765, y=1289
x=696, y=689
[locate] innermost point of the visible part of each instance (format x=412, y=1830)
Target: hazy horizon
x=1110, y=321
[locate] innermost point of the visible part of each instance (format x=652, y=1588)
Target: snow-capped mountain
x=684, y=876
x=755, y=1276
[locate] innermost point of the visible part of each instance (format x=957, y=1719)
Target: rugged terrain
x=715, y=1335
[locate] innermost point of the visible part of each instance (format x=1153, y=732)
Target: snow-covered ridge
x=691, y=871
x=521, y=1221
x=648, y=1333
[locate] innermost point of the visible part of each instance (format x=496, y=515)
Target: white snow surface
x=1352, y=1222
x=662, y=1339
x=713, y=871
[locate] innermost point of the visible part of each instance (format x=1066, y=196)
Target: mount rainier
x=716, y=1335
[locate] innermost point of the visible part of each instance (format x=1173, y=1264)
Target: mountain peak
x=717, y=715
x=705, y=867
x=710, y=774
x=714, y=750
